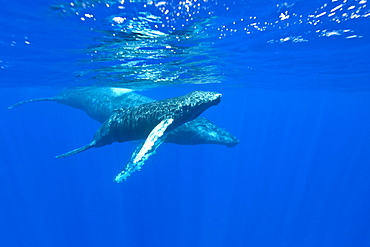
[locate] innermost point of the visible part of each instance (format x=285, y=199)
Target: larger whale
x=150, y=121
x=100, y=102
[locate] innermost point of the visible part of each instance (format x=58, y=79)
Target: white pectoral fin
x=145, y=150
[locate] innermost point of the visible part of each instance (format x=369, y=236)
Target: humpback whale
x=149, y=121
x=97, y=102
x=100, y=102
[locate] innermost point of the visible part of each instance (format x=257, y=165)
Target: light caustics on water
x=151, y=43
x=148, y=43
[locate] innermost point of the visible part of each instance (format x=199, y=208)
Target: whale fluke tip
x=30, y=101
x=76, y=151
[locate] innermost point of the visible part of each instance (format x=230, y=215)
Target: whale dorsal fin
x=156, y=137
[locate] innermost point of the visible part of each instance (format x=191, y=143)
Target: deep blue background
x=299, y=177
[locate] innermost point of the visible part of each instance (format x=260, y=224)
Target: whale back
x=99, y=103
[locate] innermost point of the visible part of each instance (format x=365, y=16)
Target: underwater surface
x=295, y=83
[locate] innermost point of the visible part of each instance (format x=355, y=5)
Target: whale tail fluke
x=30, y=101
x=76, y=151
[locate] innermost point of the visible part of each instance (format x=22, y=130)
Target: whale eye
x=186, y=107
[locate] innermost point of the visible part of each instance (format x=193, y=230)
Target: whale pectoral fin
x=156, y=137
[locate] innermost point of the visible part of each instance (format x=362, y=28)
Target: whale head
x=196, y=102
x=202, y=99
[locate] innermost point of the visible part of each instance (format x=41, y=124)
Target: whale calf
x=149, y=121
x=99, y=103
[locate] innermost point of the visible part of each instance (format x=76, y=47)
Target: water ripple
x=146, y=43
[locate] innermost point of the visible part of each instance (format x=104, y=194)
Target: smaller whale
x=97, y=102
x=148, y=121
x=100, y=102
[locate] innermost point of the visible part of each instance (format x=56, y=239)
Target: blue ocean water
x=295, y=80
